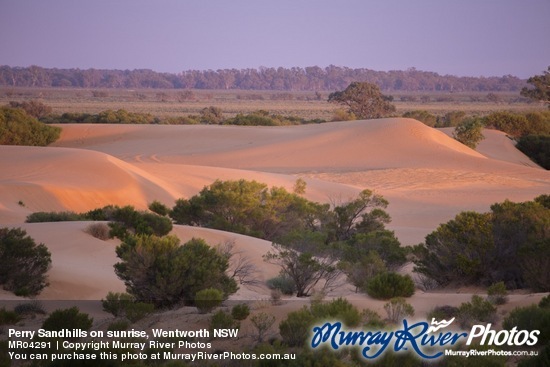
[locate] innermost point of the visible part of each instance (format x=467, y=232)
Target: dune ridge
x=427, y=176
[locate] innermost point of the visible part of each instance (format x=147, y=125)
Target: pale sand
x=427, y=177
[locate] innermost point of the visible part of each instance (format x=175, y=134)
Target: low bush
x=18, y=128
x=208, y=299
x=40, y=217
x=422, y=116
x=283, y=283
x=159, y=208
x=240, y=311
x=123, y=304
x=136, y=311
x=30, y=308
x=545, y=302
x=397, y=309
x=98, y=230
x=390, y=285
x=497, y=293
x=70, y=318
x=262, y=322
x=115, y=303
x=23, y=263
x=530, y=318
x=443, y=313
x=339, y=309
x=118, y=325
x=296, y=327
x=223, y=320
x=8, y=317
x=475, y=311
x=537, y=148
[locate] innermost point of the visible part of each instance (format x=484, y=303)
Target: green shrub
x=70, y=318
x=541, y=360
x=508, y=122
x=443, y=313
x=23, y=263
x=296, y=327
x=208, y=299
x=240, y=311
x=116, y=303
x=136, y=311
x=159, y=208
x=223, y=320
x=18, y=128
x=390, y=285
x=475, y=311
x=283, y=283
x=339, y=309
x=397, y=309
x=262, y=322
x=371, y=319
x=118, y=325
x=30, y=308
x=469, y=132
x=497, y=293
x=35, y=109
x=537, y=148
x=159, y=270
x=40, y=217
x=8, y=317
x=422, y=116
x=545, y=302
x=530, y=318
x=451, y=119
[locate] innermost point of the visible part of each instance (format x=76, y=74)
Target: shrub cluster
x=124, y=221
x=70, y=318
x=19, y=128
x=160, y=271
x=509, y=244
x=390, y=285
x=23, y=263
x=296, y=327
x=536, y=147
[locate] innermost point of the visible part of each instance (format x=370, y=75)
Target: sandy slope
x=427, y=177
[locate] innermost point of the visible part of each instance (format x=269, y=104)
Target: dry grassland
x=307, y=105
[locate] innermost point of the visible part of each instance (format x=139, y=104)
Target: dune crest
x=57, y=179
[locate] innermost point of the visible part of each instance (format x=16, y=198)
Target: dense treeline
x=313, y=78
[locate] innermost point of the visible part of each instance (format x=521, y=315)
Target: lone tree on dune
x=364, y=100
x=541, y=90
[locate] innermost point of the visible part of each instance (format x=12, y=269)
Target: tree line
x=312, y=78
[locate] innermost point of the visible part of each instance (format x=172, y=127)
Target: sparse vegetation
x=262, y=323
x=476, y=311
x=208, y=299
x=397, y=309
x=98, y=230
x=497, y=293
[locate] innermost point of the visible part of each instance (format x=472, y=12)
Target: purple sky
x=458, y=37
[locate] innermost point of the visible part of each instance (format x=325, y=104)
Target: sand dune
x=427, y=177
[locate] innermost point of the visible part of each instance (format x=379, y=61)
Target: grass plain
x=304, y=104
